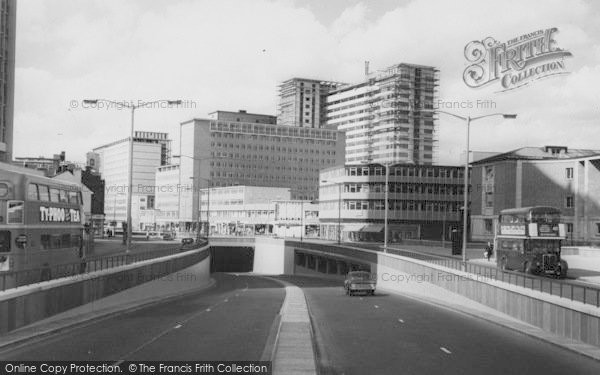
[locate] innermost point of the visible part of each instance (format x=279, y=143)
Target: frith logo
x=515, y=63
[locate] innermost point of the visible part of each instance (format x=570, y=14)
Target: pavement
x=293, y=353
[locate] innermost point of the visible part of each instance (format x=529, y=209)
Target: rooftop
x=540, y=153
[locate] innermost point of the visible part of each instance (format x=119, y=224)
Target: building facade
x=150, y=150
x=8, y=28
x=556, y=176
x=221, y=153
x=296, y=218
x=302, y=102
x=388, y=118
x=424, y=202
x=167, y=197
x=240, y=210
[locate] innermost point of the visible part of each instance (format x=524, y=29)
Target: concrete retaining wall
x=25, y=305
x=561, y=316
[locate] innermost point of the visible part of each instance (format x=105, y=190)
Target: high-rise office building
x=387, y=118
x=8, y=27
x=220, y=152
x=302, y=102
x=150, y=150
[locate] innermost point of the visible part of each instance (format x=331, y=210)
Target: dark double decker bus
x=40, y=221
x=529, y=239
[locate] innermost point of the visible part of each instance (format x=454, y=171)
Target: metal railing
x=572, y=290
x=13, y=279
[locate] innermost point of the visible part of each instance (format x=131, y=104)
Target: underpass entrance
x=231, y=259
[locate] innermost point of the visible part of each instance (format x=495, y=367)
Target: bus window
x=45, y=241
x=76, y=241
x=73, y=197
x=4, y=241
x=15, y=212
x=511, y=245
x=55, y=242
x=54, y=195
x=65, y=240
x=44, y=193
x=32, y=192
x=64, y=198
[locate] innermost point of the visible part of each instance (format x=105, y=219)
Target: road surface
x=383, y=334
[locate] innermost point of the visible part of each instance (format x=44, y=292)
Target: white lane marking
x=361, y=298
x=237, y=295
x=401, y=321
x=207, y=310
x=178, y=326
x=445, y=350
x=226, y=300
x=376, y=306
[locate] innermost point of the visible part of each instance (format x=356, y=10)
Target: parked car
x=187, y=241
x=360, y=281
x=167, y=236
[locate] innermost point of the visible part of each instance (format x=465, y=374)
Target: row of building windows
x=274, y=130
x=355, y=97
x=282, y=159
x=263, y=177
x=271, y=139
x=259, y=147
x=406, y=171
x=397, y=205
x=407, y=188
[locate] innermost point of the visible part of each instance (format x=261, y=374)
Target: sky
x=232, y=54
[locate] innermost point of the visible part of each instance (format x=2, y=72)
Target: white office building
x=150, y=150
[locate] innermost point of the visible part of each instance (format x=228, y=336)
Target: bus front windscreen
x=544, y=246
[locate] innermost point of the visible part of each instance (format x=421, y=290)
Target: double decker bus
x=40, y=220
x=529, y=239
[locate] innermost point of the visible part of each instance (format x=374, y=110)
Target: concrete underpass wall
x=271, y=257
x=566, y=318
x=28, y=304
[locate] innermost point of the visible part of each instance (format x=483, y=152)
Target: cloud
x=232, y=54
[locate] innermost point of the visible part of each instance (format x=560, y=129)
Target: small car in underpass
x=360, y=282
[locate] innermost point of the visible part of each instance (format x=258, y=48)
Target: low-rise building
x=425, y=202
x=240, y=210
x=557, y=176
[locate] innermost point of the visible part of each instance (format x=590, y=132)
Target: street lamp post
x=199, y=196
x=387, y=166
x=301, y=221
x=468, y=121
x=133, y=107
x=339, y=227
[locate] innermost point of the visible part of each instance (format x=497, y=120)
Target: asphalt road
x=230, y=322
x=383, y=334
x=391, y=334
